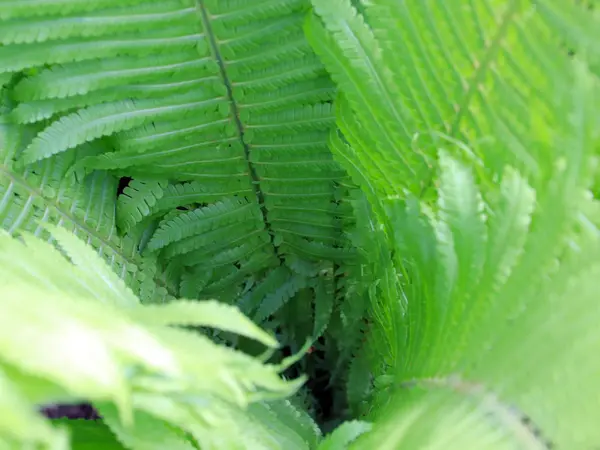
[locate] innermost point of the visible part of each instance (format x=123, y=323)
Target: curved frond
x=323, y=308
x=48, y=193
x=134, y=364
x=190, y=93
x=198, y=221
x=272, y=302
x=345, y=434
x=484, y=235
x=136, y=202
x=106, y=119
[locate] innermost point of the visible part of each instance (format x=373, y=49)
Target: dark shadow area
x=123, y=183
x=78, y=411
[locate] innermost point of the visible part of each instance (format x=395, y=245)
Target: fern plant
x=66, y=309
x=409, y=186
x=486, y=215
x=224, y=134
x=234, y=196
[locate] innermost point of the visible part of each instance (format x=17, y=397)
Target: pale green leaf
x=344, y=435
x=205, y=313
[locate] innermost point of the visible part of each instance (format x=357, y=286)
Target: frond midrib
x=127, y=260
x=255, y=180
x=520, y=426
x=484, y=64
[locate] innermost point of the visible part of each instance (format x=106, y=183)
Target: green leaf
x=207, y=313
x=20, y=422
x=147, y=433
x=323, y=310
x=344, y=435
x=353, y=57
x=90, y=435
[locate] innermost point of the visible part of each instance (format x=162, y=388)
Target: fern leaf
x=200, y=220
x=96, y=370
x=116, y=338
x=296, y=418
x=323, y=310
x=360, y=382
x=344, y=435
x=15, y=9
x=349, y=159
x=210, y=158
x=512, y=218
x=102, y=120
x=219, y=244
x=275, y=300
x=5, y=79
x=135, y=18
x=47, y=193
x=250, y=301
x=354, y=59
x=206, y=314
x=136, y=202
x=461, y=232
x=494, y=81
x=316, y=250
x=184, y=92
x=181, y=194
x=150, y=51
x=20, y=423
x=457, y=417
x=78, y=79
x=109, y=285
x=92, y=434
x=148, y=432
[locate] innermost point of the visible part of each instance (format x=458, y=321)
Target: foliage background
x=407, y=188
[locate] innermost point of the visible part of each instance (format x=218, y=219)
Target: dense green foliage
x=407, y=188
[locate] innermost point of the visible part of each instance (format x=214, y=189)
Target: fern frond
x=212, y=159
x=132, y=363
x=323, y=309
x=206, y=314
x=147, y=431
x=344, y=435
x=136, y=202
x=23, y=424
x=275, y=300
x=296, y=418
x=262, y=259
x=105, y=119
x=183, y=91
x=194, y=192
x=489, y=88
x=351, y=53
x=201, y=220
x=478, y=420
x=220, y=243
x=444, y=69
x=69, y=80
x=310, y=91
x=47, y=193
x=519, y=276
x=134, y=18
x=15, y=9
x=316, y=250
x=275, y=278
x=359, y=382
x=93, y=434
